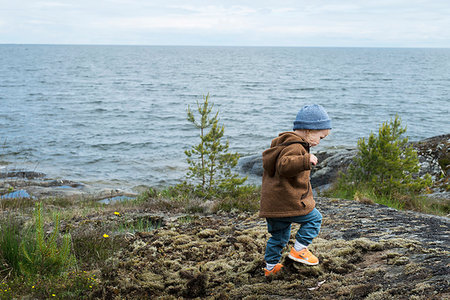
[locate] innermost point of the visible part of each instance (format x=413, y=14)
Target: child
x=286, y=194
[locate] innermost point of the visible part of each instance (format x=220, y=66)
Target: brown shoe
x=304, y=256
x=274, y=271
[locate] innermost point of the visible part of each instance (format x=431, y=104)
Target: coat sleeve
x=292, y=161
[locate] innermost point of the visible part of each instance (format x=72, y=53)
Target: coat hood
x=270, y=155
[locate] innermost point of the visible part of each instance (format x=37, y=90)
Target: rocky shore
x=28, y=184
x=434, y=157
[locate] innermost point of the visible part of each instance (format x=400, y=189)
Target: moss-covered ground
x=157, y=249
x=220, y=257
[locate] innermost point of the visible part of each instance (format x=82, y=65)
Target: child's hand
x=313, y=159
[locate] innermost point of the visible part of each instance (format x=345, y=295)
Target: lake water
x=116, y=115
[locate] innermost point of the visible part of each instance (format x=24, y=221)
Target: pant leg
x=309, y=227
x=281, y=232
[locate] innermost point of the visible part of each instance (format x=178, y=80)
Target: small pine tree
x=210, y=164
x=44, y=255
x=386, y=163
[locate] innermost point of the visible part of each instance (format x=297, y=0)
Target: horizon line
x=241, y=46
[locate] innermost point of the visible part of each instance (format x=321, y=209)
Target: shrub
x=29, y=252
x=384, y=166
x=35, y=264
x=185, y=198
x=246, y=200
x=46, y=255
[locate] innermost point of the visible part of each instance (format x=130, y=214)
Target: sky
x=298, y=23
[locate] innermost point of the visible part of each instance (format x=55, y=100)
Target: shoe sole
x=273, y=274
x=302, y=261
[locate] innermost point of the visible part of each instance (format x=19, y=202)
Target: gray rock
x=327, y=170
x=434, y=156
x=251, y=165
x=22, y=174
x=44, y=188
x=53, y=191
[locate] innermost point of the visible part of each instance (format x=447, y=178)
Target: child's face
x=313, y=137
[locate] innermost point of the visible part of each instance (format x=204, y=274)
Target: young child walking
x=286, y=193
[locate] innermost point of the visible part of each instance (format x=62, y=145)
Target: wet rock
x=22, y=174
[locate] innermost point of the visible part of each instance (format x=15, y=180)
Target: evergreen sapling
x=210, y=164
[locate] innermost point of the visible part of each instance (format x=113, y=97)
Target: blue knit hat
x=312, y=117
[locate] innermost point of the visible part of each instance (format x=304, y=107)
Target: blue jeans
x=280, y=229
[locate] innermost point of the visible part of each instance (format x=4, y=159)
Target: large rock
x=329, y=166
x=434, y=156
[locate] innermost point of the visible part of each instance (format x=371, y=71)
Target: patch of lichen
x=221, y=257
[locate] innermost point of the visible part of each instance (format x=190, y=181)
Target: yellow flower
x=32, y=287
x=105, y=236
x=53, y=295
x=117, y=213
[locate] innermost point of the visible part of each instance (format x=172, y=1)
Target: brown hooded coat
x=286, y=189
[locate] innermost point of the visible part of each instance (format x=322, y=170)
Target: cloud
x=186, y=17
x=263, y=22
x=154, y=23
x=52, y=5
x=215, y=9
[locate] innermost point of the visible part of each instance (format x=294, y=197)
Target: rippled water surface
x=117, y=114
